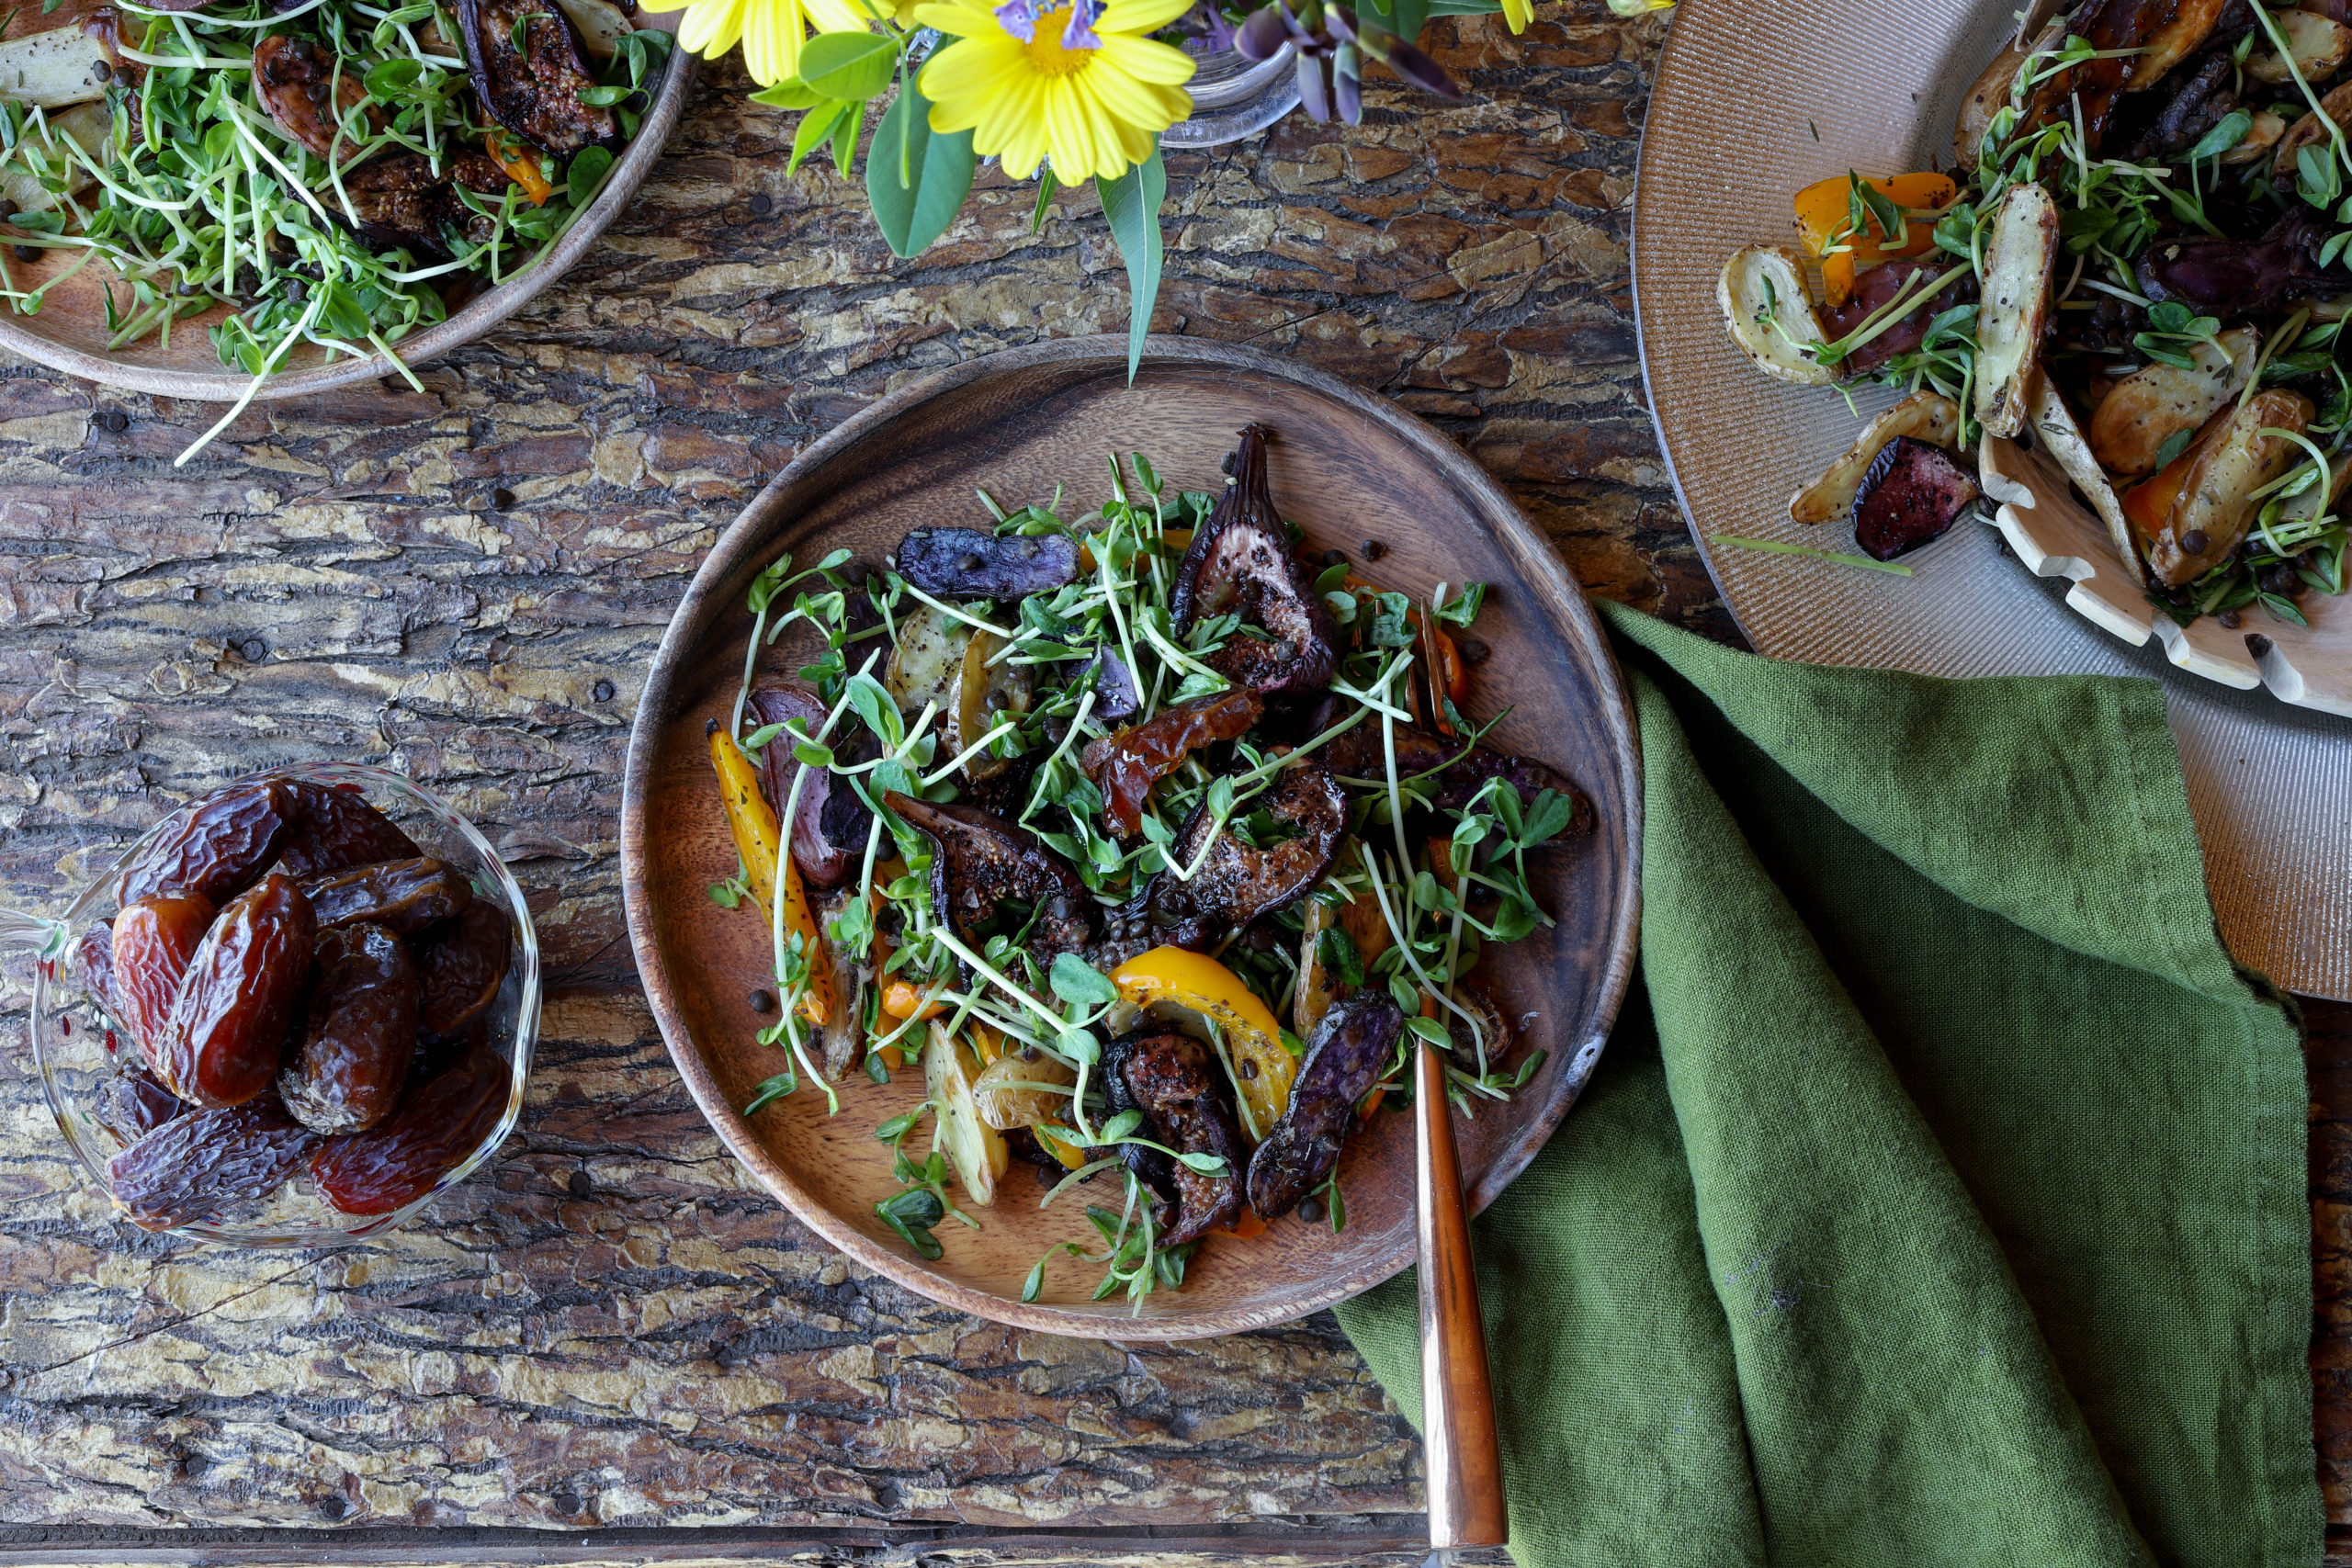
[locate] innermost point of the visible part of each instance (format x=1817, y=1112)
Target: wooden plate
x=1754, y=100
x=71, y=332
x=1348, y=467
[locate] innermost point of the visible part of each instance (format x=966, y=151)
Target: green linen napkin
x=1941, y=1196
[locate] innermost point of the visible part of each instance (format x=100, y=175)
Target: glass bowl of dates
x=292, y=1012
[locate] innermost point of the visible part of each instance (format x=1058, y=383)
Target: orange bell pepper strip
x=522, y=166
x=1824, y=211
x=2149, y=502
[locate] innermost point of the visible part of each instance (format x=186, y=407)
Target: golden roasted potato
x=1767, y=307
x=1991, y=93
x=2156, y=402
x=2062, y=441
x=2018, y=260
x=2337, y=106
x=2318, y=45
x=2174, y=42
x=1927, y=416
x=1360, y=918
x=2215, y=507
x=2259, y=139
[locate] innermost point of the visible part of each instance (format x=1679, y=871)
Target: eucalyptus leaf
x=1131, y=206
x=938, y=170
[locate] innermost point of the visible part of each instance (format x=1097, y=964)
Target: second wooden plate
x=1348, y=468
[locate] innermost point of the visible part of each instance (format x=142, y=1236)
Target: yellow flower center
x=1045, y=50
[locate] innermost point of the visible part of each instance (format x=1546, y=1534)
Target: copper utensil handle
x=1458, y=1446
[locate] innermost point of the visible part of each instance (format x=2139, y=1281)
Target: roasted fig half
x=828, y=824
x=1911, y=493
x=966, y=563
x=1124, y=765
x=1459, y=771
x=1349, y=1050
x=1295, y=831
x=983, y=861
x=2237, y=279
x=529, y=66
x=1180, y=1089
x=1240, y=563
x=299, y=87
x=401, y=204
x=218, y=849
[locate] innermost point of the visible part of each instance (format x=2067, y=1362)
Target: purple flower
x=1079, y=31
x=1019, y=18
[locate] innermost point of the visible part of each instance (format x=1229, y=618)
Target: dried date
x=134, y=1105
x=334, y=829
x=153, y=940
x=222, y=845
x=461, y=972
x=95, y=955
x=403, y=895
x=194, y=1165
x=436, y=1127
x=360, y=1034
x=228, y=1028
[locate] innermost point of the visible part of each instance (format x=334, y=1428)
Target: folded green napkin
x=1941, y=1196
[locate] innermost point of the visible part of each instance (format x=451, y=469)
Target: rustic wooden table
x=608, y=1349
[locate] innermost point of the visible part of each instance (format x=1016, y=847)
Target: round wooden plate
x=1348, y=467
x=71, y=332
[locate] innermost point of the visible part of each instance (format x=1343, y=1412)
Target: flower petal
x=1140, y=15
x=1147, y=61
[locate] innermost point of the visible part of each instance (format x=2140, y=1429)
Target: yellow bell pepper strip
x=1063, y=1144
x=816, y=1002
x=1824, y=208
x=1201, y=983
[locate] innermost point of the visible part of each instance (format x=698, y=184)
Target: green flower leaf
x=915, y=180
x=1131, y=205
x=848, y=65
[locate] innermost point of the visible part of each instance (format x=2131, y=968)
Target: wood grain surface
x=611, y=1328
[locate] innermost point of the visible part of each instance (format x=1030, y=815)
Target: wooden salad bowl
x=71, y=332
x=1348, y=467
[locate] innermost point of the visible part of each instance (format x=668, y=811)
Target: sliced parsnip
x=2337, y=107
x=2153, y=404
x=2062, y=441
x=2319, y=46
x=54, y=69
x=601, y=24
x=1766, y=305
x=2033, y=18
x=976, y=1151
x=926, y=667
x=2216, y=505
x=2259, y=139
x=842, y=1035
x=2018, y=260
x=1927, y=416
x=2191, y=22
x=1008, y=1096
x=89, y=125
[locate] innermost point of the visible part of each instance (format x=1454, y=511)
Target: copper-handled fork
x=1458, y=1447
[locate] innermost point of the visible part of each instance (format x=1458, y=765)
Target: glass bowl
x=79, y=1046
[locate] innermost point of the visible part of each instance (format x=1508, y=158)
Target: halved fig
x=1770, y=313
x=1179, y=1088
x=1460, y=770
x=1927, y=416
x=400, y=203
x=300, y=88
x=2018, y=260
x=2239, y=278
x=828, y=801
x=1241, y=562
x=1236, y=882
x=1877, y=288
x=966, y=563
x=1126, y=765
x=1913, y=493
x=982, y=860
x=2159, y=401
x=2209, y=516
x=1350, y=1049
x=533, y=90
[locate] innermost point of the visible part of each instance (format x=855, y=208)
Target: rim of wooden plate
x=480, y=314
x=751, y=530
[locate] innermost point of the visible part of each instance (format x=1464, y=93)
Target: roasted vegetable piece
x=2063, y=443
x=2317, y=45
x=1174, y=987
x=1460, y=770
x=154, y=940
x=966, y=563
x=1928, y=416
x=2239, y=278
x=297, y=84
x=2214, y=505
x=1913, y=493
x=1124, y=765
x=842, y=1031
x=2159, y=401
x=1824, y=208
x=1769, y=313
x=2020, y=258
x=460, y=972
x=984, y=859
x=2311, y=127
x=1876, y=289
x=400, y=203
x=61, y=66
x=335, y=830
x=751, y=820
x=225, y=842
x=404, y=896
x=533, y=91
x=1991, y=93
x=1345, y=1057
x=975, y=1150
x=1237, y=882
x=1359, y=923
x=824, y=859
x=1241, y=562
x=1179, y=1087
x=2117, y=29
x=1114, y=685
x=1008, y=1095
x=438, y=1125
x=194, y=1167
x=228, y=1028
x=2179, y=35
x=133, y=1105
x=990, y=690
x=93, y=955
x=360, y=1033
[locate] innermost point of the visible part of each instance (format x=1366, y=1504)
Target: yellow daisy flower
x=770, y=31
x=1075, y=81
